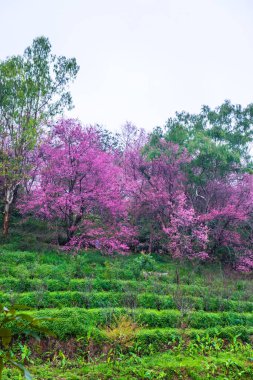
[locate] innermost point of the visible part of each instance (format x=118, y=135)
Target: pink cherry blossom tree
x=156, y=186
x=228, y=206
x=77, y=184
x=137, y=196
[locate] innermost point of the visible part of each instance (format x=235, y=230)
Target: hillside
x=134, y=317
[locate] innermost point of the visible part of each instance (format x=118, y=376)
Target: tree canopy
x=33, y=89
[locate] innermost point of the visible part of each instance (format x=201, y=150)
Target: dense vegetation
x=146, y=194
x=134, y=250
x=134, y=317
x=185, y=190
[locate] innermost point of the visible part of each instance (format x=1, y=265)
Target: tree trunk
x=6, y=219
x=9, y=194
x=150, y=246
x=177, y=277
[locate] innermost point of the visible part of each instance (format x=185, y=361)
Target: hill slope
x=135, y=317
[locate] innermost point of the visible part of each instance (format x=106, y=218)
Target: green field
x=131, y=317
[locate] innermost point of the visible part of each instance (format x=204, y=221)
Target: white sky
x=141, y=60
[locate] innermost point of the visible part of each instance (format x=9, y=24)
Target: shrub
x=121, y=334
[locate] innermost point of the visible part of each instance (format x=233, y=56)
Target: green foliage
x=44, y=296
x=218, y=139
x=10, y=321
x=226, y=366
x=111, y=324
x=142, y=263
x=33, y=89
x=121, y=335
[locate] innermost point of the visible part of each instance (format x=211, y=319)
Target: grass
x=132, y=317
x=162, y=366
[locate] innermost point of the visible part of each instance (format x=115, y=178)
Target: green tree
x=33, y=89
x=217, y=139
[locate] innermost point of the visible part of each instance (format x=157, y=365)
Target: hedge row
x=46, y=299
x=168, y=336
x=8, y=284
x=161, y=328
x=21, y=285
x=76, y=321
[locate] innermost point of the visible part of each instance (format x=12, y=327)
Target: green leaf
x=4, y=332
x=25, y=317
x=25, y=372
x=21, y=307
x=5, y=335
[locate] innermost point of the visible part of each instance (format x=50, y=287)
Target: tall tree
x=217, y=139
x=79, y=187
x=33, y=89
x=159, y=206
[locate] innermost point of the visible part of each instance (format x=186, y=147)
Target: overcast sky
x=141, y=60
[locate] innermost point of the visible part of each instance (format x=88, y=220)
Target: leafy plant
x=12, y=321
x=121, y=335
x=144, y=262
